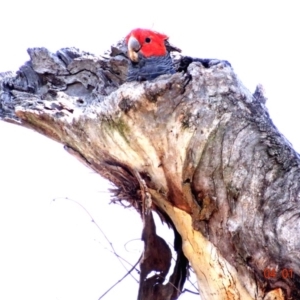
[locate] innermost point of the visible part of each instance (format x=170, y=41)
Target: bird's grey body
x=150, y=68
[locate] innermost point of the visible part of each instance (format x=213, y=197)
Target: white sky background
x=51, y=250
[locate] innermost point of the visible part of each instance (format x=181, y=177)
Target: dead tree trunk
x=196, y=147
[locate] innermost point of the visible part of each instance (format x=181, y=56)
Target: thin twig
x=121, y=278
x=99, y=228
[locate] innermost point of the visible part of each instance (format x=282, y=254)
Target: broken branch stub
x=213, y=162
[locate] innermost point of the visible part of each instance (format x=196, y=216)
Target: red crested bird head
x=146, y=42
x=149, y=53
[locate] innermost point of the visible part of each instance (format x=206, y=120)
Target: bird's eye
x=147, y=40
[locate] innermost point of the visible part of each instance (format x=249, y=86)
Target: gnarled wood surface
x=198, y=144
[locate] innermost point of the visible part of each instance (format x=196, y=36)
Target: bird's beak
x=133, y=49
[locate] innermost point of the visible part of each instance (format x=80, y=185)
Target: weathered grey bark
x=197, y=147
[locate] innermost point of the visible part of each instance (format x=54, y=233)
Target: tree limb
x=215, y=165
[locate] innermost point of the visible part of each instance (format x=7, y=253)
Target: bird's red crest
x=152, y=43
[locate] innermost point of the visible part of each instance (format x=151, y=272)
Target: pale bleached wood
x=200, y=141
